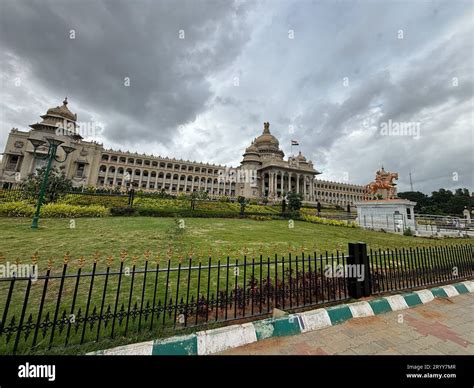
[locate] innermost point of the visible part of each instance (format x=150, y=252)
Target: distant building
x=263, y=171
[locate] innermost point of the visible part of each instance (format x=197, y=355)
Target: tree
x=197, y=196
x=294, y=201
x=420, y=198
x=243, y=202
x=57, y=184
x=441, y=202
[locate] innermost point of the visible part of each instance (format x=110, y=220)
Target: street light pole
x=52, y=152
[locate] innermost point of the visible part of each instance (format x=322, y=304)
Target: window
x=12, y=162
x=408, y=213
x=80, y=170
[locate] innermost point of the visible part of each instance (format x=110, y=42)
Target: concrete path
x=444, y=326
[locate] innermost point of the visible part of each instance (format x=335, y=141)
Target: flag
x=294, y=143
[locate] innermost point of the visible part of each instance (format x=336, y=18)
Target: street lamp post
x=52, y=155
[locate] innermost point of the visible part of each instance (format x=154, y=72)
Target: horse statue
x=383, y=181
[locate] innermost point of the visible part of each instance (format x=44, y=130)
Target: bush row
x=173, y=205
x=326, y=221
x=53, y=210
x=157, y=212
x=94, y=199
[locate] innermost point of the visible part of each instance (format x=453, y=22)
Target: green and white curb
x=217, y=340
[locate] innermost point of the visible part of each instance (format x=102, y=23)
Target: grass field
x=219, y=237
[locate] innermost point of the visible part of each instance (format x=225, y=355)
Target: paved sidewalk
x=441, y=327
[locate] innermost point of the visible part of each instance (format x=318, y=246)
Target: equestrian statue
x=383, y=181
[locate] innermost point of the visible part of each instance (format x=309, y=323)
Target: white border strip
x=361, y=309
x=425, y=295
x=396, y=302
x=218, y=340
x=450, y=290
x=315, y=320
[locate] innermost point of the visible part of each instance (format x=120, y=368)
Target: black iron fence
x=401, y=269
x=76, y=307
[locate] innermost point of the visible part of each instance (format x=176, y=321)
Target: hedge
x=326, y=221
x=53, y=210
x=94, y=199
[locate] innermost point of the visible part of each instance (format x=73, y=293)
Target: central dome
x=266, y=138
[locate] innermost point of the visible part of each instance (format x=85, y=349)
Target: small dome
x=301, y=158
x=251, y=148
x=62, y=111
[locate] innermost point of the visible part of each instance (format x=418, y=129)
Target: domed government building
x=263, y=172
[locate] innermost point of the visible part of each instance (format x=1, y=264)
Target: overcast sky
x=197, y=79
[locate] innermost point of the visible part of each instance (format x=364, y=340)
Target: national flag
x=294, y=143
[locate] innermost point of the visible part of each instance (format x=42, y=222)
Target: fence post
x=358, y=262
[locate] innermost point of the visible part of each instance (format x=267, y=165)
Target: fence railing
x=436, y=223
x=76, y=307
x=401, y=269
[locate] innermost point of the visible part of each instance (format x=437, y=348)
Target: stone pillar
x=304, y=188
x=297, y=183
x=140, y=179
x=115, y=177
x=270, y=183
x=276, y=184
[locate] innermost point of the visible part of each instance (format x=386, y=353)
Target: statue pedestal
x=391, y=215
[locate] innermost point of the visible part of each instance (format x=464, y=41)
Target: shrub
x=408, y=232
x=55, y=210
x=327, y=221
x=57, y=184
x=23, y=209
x=95, y=199
x=260, y=218
x=16, y=209
x=122, y=211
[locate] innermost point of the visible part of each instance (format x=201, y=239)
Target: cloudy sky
x=196, y=79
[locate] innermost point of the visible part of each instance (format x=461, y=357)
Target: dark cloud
x=118, y=39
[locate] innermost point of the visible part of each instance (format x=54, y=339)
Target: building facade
x=263, y=172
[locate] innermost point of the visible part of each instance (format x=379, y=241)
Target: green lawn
x=223, y=237
x=110, y=235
